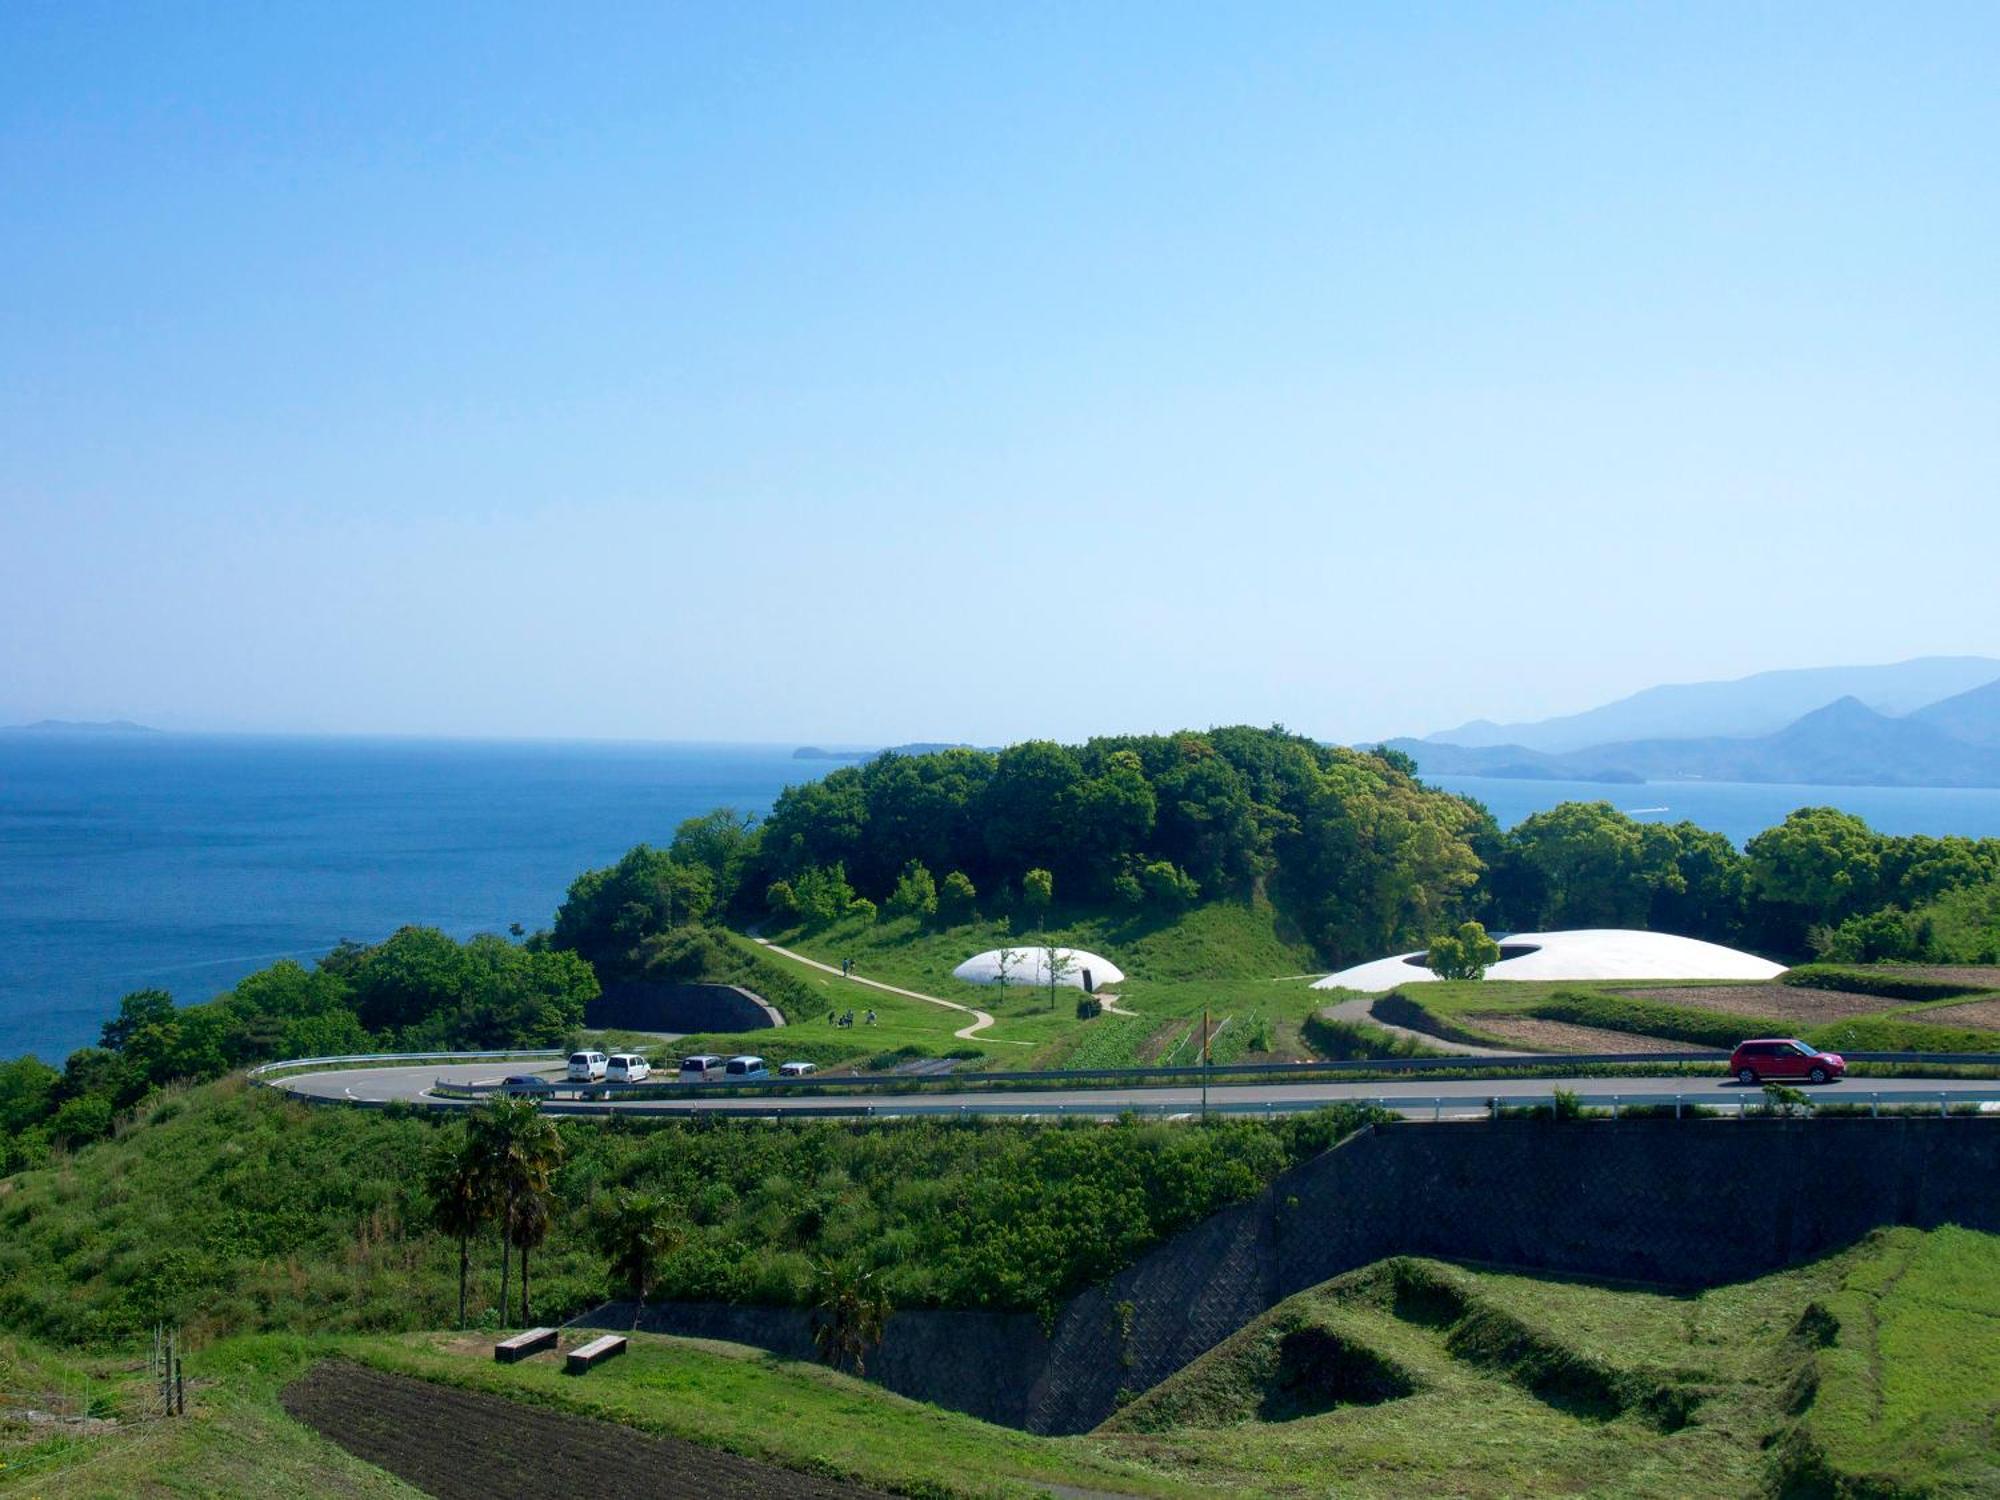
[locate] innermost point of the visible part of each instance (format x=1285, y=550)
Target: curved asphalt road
x=1411, y=1096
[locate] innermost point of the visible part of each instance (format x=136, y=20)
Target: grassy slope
x=1870, y=1372
x=1535, y=1386
x=800, y=1415
x=235, y=1440
x=1909, y=1391
x=235, y=1210
x=1224, y=956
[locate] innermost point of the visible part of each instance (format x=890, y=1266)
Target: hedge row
x=1863, y=980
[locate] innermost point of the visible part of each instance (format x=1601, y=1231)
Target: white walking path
x=980, y=1019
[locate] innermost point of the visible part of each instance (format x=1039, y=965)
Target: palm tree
x=519, y=1149
x=459, y=1203
x=634, y=1230
x=528, y=1228
x=849, y=1315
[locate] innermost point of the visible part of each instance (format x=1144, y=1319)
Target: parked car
x=797, y=1069
x=1774, y=1058
x=627, y=1067
x=745, y=1069
x=700, y=1068
x=586, y=1067
x=526, y=1086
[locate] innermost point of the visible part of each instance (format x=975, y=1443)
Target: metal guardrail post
x=1944, y=1113
x=1614, y=1106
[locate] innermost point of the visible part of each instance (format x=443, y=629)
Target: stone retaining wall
x=635, y=1005
x=1683, y=1204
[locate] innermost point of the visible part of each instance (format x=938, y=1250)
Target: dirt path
x=980, y=1019
x=463, y=1445
x=1362, y=1011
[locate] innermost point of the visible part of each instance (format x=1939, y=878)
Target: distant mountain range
x=1904, y=733
x=1740, y=709
x=79, y=726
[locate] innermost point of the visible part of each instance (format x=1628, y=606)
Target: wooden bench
x=593, y=1353
x=521, y=1345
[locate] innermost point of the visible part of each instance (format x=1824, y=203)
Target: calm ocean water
x=186, y=862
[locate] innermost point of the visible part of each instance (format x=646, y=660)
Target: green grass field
x=1418, y=1378
x=1230, y=959
x=1874, y=1372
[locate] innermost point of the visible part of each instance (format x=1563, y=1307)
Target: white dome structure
x=1029, y=964
x=1586, y=953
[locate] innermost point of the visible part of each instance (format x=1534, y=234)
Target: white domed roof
x=1028, y=964
x=1585, y=953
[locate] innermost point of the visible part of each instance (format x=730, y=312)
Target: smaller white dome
x=1028, y=964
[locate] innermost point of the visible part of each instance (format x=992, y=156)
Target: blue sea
x=186, y=862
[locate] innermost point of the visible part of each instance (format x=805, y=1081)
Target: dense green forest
x=1360, y=856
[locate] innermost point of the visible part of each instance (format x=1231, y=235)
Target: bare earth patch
x=1979, y=1015
x=1532, y=1034
x=1777, y=1002
x=464, y=1445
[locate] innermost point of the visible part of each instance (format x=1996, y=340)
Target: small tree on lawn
x=1060, y=966
x=1465, y=954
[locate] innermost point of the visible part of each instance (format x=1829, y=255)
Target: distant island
x=1912, y=724
x=916, y=747
x=79, y=727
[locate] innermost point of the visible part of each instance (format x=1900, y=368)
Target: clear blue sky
x=865, y=372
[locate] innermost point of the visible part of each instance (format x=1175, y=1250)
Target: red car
x=1784, y=1057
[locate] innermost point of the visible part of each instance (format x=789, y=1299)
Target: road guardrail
x=504, y=1054
x=1749, y=1105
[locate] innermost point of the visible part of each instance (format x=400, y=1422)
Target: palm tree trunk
x=464, y=1257
x=506, y=1251
x=524, y=1287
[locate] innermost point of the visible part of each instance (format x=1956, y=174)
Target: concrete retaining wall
x=634, y=1005
x=1682, y=1204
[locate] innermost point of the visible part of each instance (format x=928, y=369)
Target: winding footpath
x=980, y=1019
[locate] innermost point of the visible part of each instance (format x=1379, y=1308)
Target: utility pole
x=1204, y=1063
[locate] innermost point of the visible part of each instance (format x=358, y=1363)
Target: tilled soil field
x=463, y=1445
x=1533, y=1034
x=1777, y=1002
x=1979, y=1015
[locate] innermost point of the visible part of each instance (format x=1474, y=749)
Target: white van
x=745, y=1069
x=586, y=1067
x=627, y=1067
x=700, y=1068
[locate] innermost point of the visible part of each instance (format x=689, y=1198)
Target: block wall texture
x=633, y=1005
x=1684, y=1204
